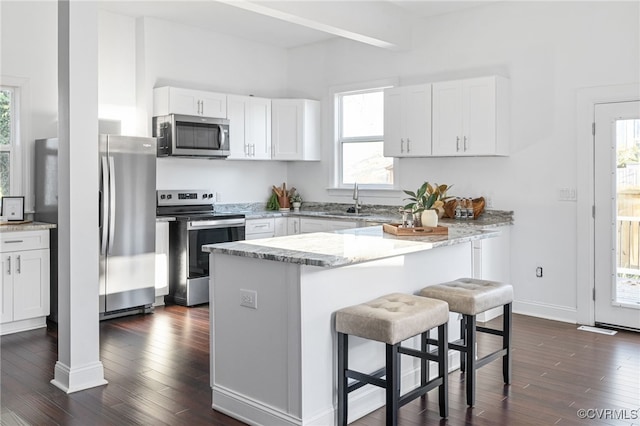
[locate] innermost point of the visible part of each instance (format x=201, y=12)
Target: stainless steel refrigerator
x=126, y=225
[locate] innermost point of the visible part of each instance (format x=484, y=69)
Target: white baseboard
x=540, y=310
x=361, y=402
x=78, y=378
x=22, y=325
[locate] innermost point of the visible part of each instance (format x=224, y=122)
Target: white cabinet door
x=6, y=307
x=293, y=225
x=258, y=128
x=407, y=121
x=280, y=226
x=237, y=115
x=447, y=118
x=174, y=100
x=30, y=284
x=470, y=117
x=250, y=127
x=295, y=129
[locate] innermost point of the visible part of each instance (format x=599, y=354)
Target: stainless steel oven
x=196, y=224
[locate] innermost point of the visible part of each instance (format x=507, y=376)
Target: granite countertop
x=489, y=219
x=31, y=226
x=345, y=247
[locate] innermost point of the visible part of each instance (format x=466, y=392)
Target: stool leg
x=343, y=365
x=424, y=364
x=463, y=333
x=470, y=321
x=443, y=369
x=393, y=384
x=506, y=343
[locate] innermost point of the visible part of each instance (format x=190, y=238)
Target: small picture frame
x=13, y=209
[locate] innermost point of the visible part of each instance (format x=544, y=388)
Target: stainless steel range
x=196, y=224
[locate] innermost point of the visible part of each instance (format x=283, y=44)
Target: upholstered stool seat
x=391, y=320
x=470, y=297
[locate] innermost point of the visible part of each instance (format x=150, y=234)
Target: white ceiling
x=283, y=24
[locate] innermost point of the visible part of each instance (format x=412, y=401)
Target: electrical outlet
x=249, y=298
x=488, y=202
x=567, y=194
x=218, y=197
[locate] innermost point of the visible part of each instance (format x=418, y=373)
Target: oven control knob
x=162, y=197
x=210, y=195
x=169, y=197
x=204, y=195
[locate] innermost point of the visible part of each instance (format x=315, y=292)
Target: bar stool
x=469, y=297
x=392, y=319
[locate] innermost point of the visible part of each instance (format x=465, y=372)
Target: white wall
x=548, y=50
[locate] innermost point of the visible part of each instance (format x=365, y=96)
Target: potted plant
x=425, y=202
x=296, y=201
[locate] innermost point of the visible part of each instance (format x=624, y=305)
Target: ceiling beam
x=377, y=23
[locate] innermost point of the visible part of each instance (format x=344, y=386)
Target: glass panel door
x=617, y=214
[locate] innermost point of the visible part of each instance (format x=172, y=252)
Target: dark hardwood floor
x=158, y=371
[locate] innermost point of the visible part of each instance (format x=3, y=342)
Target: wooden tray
x=16, y=222
x=394, y=228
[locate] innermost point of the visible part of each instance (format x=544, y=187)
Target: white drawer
x=27, y=240
x=259, y=226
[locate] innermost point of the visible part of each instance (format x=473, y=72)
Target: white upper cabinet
x=173, y=100
x=407, y=121
x=249, y=127
x=295, y=129
x=470, y=117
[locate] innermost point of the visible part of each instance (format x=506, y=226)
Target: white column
x=78, y=365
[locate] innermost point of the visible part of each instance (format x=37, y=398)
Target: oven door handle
x=215, y=224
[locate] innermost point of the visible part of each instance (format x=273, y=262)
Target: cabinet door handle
x=253, y=149
x=13, y=241
x=295, y=227
x=408, y=145
x=457, y=143
x=245, y=150
x=401, y=146
x=9, y=265
x=18, y=264
x=465, y=143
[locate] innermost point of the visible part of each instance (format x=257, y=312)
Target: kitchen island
x=272, y=304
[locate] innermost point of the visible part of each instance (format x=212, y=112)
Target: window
x=7, y=139
x=360, y=134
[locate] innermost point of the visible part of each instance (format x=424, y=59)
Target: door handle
x=465, y=143
x=18, y=264
x=9, y=265
x=408, y=145
x=112, y=203
x=401, y=146
x=457, y=143
x=105, y=206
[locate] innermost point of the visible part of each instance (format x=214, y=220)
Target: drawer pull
x=14, y=241
x=9, y=265
x=18, y=265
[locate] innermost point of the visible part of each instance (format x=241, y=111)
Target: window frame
x=11, y=147
x=338, y=94
x=19, y=170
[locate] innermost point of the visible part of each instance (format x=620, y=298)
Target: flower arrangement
x=295, y=198
x=427, y=197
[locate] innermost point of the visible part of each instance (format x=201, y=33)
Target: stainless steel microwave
x=191, y=136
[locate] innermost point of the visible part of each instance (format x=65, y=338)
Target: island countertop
x=345, y=247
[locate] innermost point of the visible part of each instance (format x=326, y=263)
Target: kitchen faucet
x=356, y=207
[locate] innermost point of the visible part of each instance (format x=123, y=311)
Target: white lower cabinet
x=259, y=228
x=280, y=227
x=25, y=266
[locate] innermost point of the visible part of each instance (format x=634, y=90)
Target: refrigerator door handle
x=112, y=203
x=221, y=136
x=105, y=206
